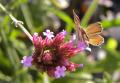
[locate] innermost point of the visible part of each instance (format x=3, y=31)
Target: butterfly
x=90, y=35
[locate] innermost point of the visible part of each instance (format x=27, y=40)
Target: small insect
x=91, y=35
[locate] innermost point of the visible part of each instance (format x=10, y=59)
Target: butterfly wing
x=81, y=35
x=96, y=40
x=93, y=29
x=77, y=26
x=76, y=20
x=93, y=32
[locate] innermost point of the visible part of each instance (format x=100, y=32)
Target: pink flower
x=52, y=55
x=107, y=3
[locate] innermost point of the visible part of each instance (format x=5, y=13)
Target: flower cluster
x=52, y=54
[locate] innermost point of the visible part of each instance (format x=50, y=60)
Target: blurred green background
x=102, y=65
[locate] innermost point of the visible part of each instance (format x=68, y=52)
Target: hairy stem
x=16, y=22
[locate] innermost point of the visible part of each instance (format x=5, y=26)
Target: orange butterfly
x=91, y=35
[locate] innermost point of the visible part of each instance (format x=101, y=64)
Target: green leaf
x=117, y=21
x=106, y=23
x=112, y=44
x=108, y=78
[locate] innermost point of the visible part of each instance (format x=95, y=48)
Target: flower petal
x=48, y=34
x=27, y=61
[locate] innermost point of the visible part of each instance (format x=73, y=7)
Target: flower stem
x=45, y=78
x=16, y=22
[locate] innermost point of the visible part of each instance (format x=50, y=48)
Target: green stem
x=16, y=22
x=89, y=13
x=45, y=78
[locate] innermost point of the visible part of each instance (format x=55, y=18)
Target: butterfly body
x=90, y=35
